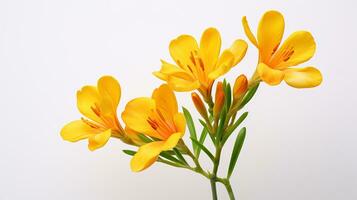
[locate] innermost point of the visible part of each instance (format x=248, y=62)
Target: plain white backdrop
x=301, y=144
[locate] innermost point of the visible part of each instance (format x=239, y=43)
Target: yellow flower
x=274, y=61
x=157, y=117
x=99, y=105
x=198, y=66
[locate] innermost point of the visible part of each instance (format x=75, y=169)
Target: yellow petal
x=165, y=101
x=224, y=64
x=307, y=77
x=181, y=50
x=77, y=130
x=87, y=98
x=238, y=49
x=182, y=85
x=180, y=122
x=210, y=47
x=136, y=114
x=270, y=32
x=97, y=141
x=109, y=87
x=248, y=32
x=269, y=75
x=297, y=48
x=168, y=69
x=148, y=153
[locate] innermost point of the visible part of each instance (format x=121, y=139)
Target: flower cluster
x=155, y=124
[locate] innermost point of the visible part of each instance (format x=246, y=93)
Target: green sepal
x=129, y=152
x=144, y=138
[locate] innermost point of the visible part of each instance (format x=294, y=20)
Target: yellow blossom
x=156, y=117
x=198, y=66
x=99, y=105
x=275, y=60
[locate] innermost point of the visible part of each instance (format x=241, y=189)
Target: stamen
x=275, y=48
x=152, y=123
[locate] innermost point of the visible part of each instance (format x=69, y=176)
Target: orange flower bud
x=219, y=100
x=199, y=105
x=240, y=86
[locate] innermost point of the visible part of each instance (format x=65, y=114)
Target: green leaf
x=231, y=129
x=144, y=138
x=201, y=141
x=236, y=150
x=251, y=92
x=129, y=152
x=180, y=156
x=167, y=155
x=191, y=126
x=204, y=149
x=228, y=96
x=221, y=125
x=205, y=127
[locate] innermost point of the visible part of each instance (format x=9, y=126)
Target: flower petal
x=109, y=87
x=210, y=47
x=180, y=84
x=180, y=122
x=148, y=153
x=307, y=77
x=269, y=75
x=270, y=33
x=136, y=114
x=238, y=49
x=77, y=130
x=181, y=50
x=248, y=32
x=224, y=64
x=297, y=48
x=165, y=100
x=97, y=141
x=168, y=69
x=87, y=98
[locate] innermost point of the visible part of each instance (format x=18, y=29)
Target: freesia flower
x=275, y=60
x=198, y=66
x=99, y=105
x=156, y=117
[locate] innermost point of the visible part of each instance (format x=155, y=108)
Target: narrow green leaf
x=231, y=129
x=201, y=141
x=144, y=138
x=205, y=127
x=204, y=149
x=221, y=125
x=228, y=96
x=191, y=126
x=236, y=150
x=129, y=152
x=170, y=157
x=249, y=96
x=180, y=156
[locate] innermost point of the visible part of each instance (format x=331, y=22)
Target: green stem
x=213, y=177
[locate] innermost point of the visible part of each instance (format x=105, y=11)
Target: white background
x=301, y=144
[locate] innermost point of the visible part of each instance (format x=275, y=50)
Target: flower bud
x=199, y=105
x=219, y=100
x=240, y=86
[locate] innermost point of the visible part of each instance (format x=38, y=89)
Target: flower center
x=164, y=126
